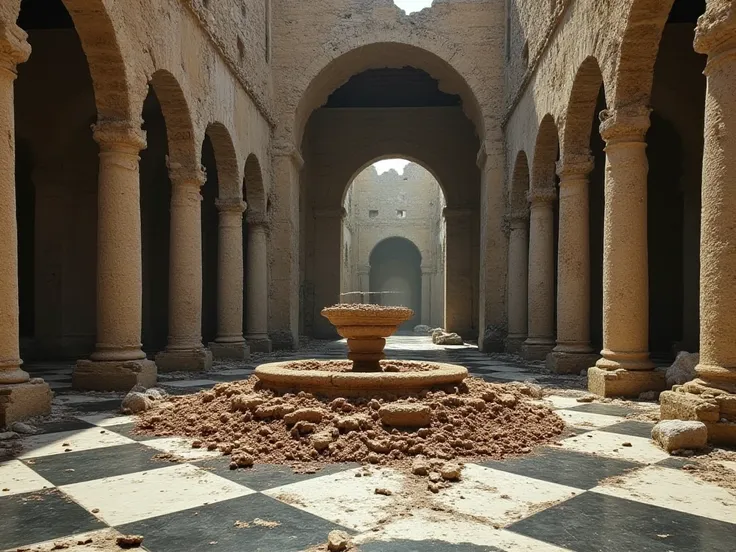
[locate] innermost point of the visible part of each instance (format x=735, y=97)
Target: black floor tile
x=40, y=516
x=126, y=430
x=72, y=424
x=199, y=528
x=574, y=469
x=86, y=465
x=605, y=409
x=265, y=476
x=593, y=522
x=186, y=390
x=112, y=405
x=403, y=545
x=632, y=428
x=229, y=377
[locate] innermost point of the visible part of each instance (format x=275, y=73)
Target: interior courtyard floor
x=603, y=486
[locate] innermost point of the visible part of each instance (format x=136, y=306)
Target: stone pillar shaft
x=328, y=226
x=426, y=314
x=458, y=269
x=257, y=284
x=518, y=279
x=184, y=350
x=229, y=342
x=625, y=354
x=540, y=339
x=573, y=352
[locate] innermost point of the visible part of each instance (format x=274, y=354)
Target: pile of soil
x=478, y=420
x=347, y=365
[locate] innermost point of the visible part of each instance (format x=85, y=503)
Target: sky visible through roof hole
x=386, y=165
x=410, y=6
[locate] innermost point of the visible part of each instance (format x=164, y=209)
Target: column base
x=624, y=383
x=536, y=351
x=561, y=362
x=20, y=401
x=283, y=341
x=186, y=360
x=229, y=351
x=491, y=342
x=718, y=412
x=259, y=344
x=111, y=375
x=514, y=344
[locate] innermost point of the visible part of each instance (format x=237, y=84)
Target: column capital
x=457, y=213
x=715, y=33
x=14, y=46
x=330, y=213
x=124, y=136
x=194, y=177
x=625, y=124
x=541, y=196
x=230, y=205
x=575, y=166
x=256, y=219
x=285, y=148
x=517, y=216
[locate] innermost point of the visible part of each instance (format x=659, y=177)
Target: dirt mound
x=477, y=420
x=347, y=365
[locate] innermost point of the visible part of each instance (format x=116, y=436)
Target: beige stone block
x=673, y=435
x=92, y=375
x=536, y=351
x=722, y=433
x=21, y=401
x=229, y=351
x=192, y=360
x=570, y=363
x=624, y=383
x=675, y=405
x=259, y=345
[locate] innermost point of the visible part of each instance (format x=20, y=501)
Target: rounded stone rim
x=275, y=375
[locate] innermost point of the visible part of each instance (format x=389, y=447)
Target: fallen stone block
x=683, y=369
x=405, y=415
x=673, y=435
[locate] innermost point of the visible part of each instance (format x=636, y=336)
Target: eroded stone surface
x=674, y=435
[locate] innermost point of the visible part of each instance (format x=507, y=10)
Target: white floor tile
x=511, y=376
x=19, y=478
x=559, y=401
x=611, y=445
x=499, y=497
x=182, y=447
x=674, y=489
x=343, y=498
x=587, y=420
x=47, y=444
x=132, y=497
x=108, y=419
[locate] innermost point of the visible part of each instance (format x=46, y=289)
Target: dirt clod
x=129, y=541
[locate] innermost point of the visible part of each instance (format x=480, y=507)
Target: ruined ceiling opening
x=406, y=87
x=44, y=14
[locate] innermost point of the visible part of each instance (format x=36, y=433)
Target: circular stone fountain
x=366, y=328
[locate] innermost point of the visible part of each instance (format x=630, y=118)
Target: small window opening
x=400, y=213
x=373, y=213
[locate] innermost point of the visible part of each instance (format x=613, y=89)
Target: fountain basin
x=278, y=377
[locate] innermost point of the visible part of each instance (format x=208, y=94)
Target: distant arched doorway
x=396, y=276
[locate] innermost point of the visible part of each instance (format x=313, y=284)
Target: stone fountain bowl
x=278, y=377
x=360, y=321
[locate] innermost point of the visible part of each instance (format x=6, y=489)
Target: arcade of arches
x=166, y=201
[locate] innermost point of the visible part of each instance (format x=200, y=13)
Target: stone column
x=426, y=314
x=573, y=352
x=625, y=368
x=711, y=398
x=118, y=362
x=20, y=396
x=184, y=351
x=256, y=281
x=458, y=288
x=283, y=250
x=518, y=279
x=229, y=343
x=327, y=257
x=541, y=290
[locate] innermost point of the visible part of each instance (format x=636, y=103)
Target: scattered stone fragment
x=20, y=427
x=435, y=477
x=156, y=394
x=420, y=466
x=405, y=415
x=384, y=492
x=136, y=402
x=304, y=415
x=678, y=434
x=450, y=471
x=129, y=541
x=627, y=444
x=321, y=440
x=443, y=338
x=683, y=369
x=587, y=398
x=422, y=329
x=338, y=541
x=648, y=396
x=434, y=487
x=7, y=435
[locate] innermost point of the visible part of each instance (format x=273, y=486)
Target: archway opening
x=399, y=200
x=675, y=152
x=396, y=276
x=56, y=187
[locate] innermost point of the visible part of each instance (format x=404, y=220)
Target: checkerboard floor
x=603, y=487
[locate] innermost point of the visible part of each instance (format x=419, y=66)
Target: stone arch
x=581, y=108
x=638, y=52
x=331, y=71
x=254, y=191
x=183, y=153
x=545, y=155
x=107, y=67
x=409, y=243
x=519, y=183
x=226, y=159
